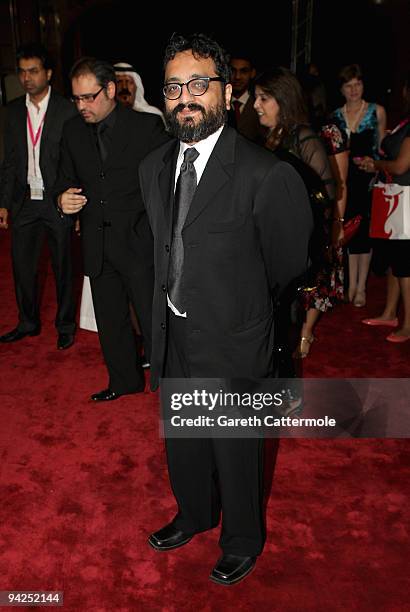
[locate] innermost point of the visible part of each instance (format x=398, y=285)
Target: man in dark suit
x=221, y=251
x=98, y=177
x=32, y=142
x=242, y=114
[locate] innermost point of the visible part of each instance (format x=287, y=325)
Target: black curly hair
x=201, y=46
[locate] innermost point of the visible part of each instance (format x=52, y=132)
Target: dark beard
x=188, y=131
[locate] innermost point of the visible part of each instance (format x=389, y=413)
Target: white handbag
x=390, y=216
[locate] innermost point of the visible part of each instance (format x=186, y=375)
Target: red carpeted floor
x=82, y=486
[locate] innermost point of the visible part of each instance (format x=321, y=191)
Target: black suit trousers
x=36, y=220
x=122, y=280
x=210, y=476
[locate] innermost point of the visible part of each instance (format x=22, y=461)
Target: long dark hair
x=283, y=85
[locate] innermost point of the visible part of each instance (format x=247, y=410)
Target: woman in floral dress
x=280, y=104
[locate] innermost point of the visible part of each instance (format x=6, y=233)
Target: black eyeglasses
x=196, y=87
x=86, y=97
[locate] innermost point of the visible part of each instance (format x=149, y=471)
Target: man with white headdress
x=130, y=90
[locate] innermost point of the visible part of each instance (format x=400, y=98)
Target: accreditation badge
x=36, y=188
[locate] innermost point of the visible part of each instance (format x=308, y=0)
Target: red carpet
x=82, y=486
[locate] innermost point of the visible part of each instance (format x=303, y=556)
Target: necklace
x=351, y=126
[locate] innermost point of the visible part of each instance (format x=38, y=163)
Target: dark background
x=343, y=32
x=374, y=33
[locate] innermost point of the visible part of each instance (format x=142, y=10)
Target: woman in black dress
x=364, y=125
x=396, y=146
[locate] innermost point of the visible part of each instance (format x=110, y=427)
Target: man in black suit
x=242, y=114
x=222, y=250
x=32, y=142
x=98, y=177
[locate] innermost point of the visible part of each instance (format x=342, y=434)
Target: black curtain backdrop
x=105, y=31
x=344, y=32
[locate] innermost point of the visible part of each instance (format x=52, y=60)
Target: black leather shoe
x=64, y=341
x=232, y=568
x=106, y=395
x=16, y=334
x=168, y=537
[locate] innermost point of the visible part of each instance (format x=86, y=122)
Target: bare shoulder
x=380, y=110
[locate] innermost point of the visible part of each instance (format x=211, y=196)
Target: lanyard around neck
x=36, y=136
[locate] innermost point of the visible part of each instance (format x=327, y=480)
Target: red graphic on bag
x=383, y=206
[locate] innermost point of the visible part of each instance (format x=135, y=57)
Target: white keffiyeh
x=140, y=103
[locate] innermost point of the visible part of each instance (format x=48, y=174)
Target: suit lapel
x=217, y=172
x=22, y=134
x=166, y=179
x=247, y=113
x=49, y=119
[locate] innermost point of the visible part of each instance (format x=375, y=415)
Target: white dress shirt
x=204, y=148
x=243, y=99
x=37, y=114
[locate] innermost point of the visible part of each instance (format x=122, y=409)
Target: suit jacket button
x=162, y=325
x=167, y=248
x=102, y=175
x=163, y=287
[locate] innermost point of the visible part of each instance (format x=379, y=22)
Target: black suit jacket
x=13, y=174
x=245, y=238
x=112, y=188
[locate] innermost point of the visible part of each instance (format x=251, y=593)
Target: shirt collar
x=42, y=105
x=109, y=120
x=243, y=98
x=204, y=147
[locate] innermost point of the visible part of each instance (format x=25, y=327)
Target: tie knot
x=190, y=155
x=237, y=104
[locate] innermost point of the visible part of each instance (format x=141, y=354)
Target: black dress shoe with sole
x=231, y=569
x=106, y=395
x=64, y=341
x=17, y=334
x=168, y=537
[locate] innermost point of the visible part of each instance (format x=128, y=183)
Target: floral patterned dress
x=325, y=285
x=329, y=285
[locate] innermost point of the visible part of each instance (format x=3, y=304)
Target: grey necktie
x=184, y=193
